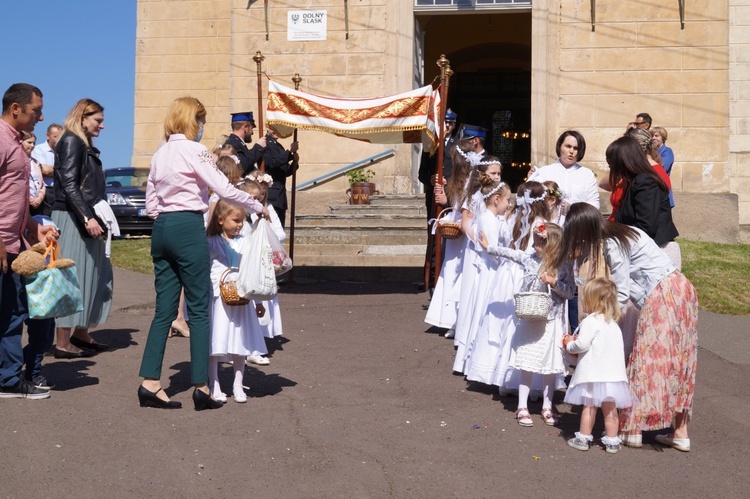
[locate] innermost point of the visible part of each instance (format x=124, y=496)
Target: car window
x=137, y=178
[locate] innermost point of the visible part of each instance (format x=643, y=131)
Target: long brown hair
x=552, y=250
x=538, y=209
x=456, y=186
x=585, y=231
x=626, y=159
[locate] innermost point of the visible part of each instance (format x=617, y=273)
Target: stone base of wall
x=707, y=217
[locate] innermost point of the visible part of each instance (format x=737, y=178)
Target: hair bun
x=485, y=180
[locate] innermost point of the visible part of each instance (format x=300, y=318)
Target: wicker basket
x=448, y=229
x=228, y=290
x=532, y=305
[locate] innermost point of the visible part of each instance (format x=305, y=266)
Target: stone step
x=324, y=249
x=380, y=209
x=357, y=260
x=364, y=220
x=411, y=199
x=363, y=236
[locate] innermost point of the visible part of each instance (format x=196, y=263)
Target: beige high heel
x=178, y=330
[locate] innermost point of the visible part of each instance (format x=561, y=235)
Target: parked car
x=126, y=195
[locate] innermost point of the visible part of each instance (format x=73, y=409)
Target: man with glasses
x=642, y=120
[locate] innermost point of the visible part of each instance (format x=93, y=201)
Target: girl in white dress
x=471, y=211
x=554, y=199
x=235, y=330
x=443, y=310
x=600, y=379
x=256, y=184
x=536, y=344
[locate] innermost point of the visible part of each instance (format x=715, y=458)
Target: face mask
x=200, y=135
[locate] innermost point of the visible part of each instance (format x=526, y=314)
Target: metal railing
x=341, y=171
x=443, y=5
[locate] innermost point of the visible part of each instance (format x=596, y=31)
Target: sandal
x=549, y=417
x=524, y=417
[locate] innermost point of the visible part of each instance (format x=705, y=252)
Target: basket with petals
x=228, y=290
x=448, y=229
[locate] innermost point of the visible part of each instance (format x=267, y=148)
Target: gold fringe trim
x=360, y=131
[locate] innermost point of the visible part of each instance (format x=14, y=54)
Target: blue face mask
x=200, y=135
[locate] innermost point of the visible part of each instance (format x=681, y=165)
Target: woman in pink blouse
x=182, y=171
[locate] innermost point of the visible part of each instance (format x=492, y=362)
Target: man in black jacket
x=280, y=164
x=242, y=132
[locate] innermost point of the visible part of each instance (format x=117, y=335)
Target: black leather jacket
x=79, y=178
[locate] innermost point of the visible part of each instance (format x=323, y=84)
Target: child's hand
x=260, y=310
x=548, y=279
x=483, y=240
x=567, y=339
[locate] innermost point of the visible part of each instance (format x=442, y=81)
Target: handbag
x=53, y=292
x=228, y=290
x=256, y=279
x=533, y=305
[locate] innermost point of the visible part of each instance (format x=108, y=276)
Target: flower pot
x=359, y=192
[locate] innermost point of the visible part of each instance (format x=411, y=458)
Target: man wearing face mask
x=280, y=163
x=242, y=132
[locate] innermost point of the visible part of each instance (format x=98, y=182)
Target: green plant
x=360, y=175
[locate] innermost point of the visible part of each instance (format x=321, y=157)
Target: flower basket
x=448, y=229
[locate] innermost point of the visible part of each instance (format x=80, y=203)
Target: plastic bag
x=256, y=279
x=281, y=261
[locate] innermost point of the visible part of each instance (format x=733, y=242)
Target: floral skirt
x=661, y=368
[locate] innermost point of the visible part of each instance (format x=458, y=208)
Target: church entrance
x=490, y=55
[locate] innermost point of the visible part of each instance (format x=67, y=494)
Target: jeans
x=13, y=312
x=41, y=336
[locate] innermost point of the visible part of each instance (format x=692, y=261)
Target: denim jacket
x=638, y=271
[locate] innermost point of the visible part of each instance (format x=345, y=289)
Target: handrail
x=341, y=171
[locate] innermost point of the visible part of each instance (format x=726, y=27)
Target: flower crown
x=541, y=231
x=555, y=193
x=526, y=200
x=475, y=159
x=259, y=177
x=493, y=191
x=235, y=158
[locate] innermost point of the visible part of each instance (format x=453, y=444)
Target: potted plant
x=360, y=187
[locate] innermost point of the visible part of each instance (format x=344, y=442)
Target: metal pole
x=258, y=58
x=295, y=163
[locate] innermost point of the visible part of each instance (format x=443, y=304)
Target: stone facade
x=695, y=81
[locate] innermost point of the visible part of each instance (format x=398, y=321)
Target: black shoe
x=204, y=401
x=23, y=390
x=97, y=347
x=62, y=354
x=149, y=399
x=41, y=382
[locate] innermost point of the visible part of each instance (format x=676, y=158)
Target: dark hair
x=579, y=138
x=584, y=232
x=21, y=94
x=645, y=117
x=626, y=159
x=538, y=210
x=456, y=186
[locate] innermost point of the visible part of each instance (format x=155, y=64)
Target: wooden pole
x=295, y=164
x=259, y=58
x=445, y=73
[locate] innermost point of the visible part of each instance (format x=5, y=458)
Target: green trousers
x=179, y=249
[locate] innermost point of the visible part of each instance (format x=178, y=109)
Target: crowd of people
x=620, y=307
x=55, y=191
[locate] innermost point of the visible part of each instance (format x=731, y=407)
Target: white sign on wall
x=305, y=25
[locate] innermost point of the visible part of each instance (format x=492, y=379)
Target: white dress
x=600, y=375
x=234, y=329
x=271, y=322
x=443, y=311
x=536, y=345
x=469, y=281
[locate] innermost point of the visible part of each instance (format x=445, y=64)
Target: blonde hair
x=599, y=296
x=230, y=169
x=221, y=211
x=219, y=143
x=662, y=131
x=249, y=183
x=74, y=120
x=182, y=117
x=552, y=249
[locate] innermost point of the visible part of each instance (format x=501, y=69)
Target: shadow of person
x=115, y=338
x=261, y=384
x=179, y=379
x=276, y=344
x=69, y=375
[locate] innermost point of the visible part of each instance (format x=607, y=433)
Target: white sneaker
x=239, y=395
x=681, y=444
x=451, y=333
x=258, y=360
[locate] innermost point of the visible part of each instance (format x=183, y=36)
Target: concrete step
x=378, y=250
x=412, y=199
x=379, y=209
x=363, y=236
x=357, y=260
x=366, y=220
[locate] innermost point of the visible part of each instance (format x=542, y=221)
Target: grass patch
x=720, y=273
x=133, y=254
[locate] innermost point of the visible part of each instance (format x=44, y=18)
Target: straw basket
x=532, y=305
x=448, y=229
x=228, y=290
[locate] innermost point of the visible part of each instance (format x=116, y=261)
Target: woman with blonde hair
x=79, y=188
x=182, y=171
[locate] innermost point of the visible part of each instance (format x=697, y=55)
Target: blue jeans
x=573, y=312
x=13, y=312
x=41, y=336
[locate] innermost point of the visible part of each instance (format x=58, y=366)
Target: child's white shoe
x=239, y=394
x=581, y=442
x=258, y=360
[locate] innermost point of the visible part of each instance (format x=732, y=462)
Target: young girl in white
x=256, y=184
x=468, y=314
x=536, y=344
x=554, y=200
x=235, y=331
x=600, y=379
x=443, y=310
